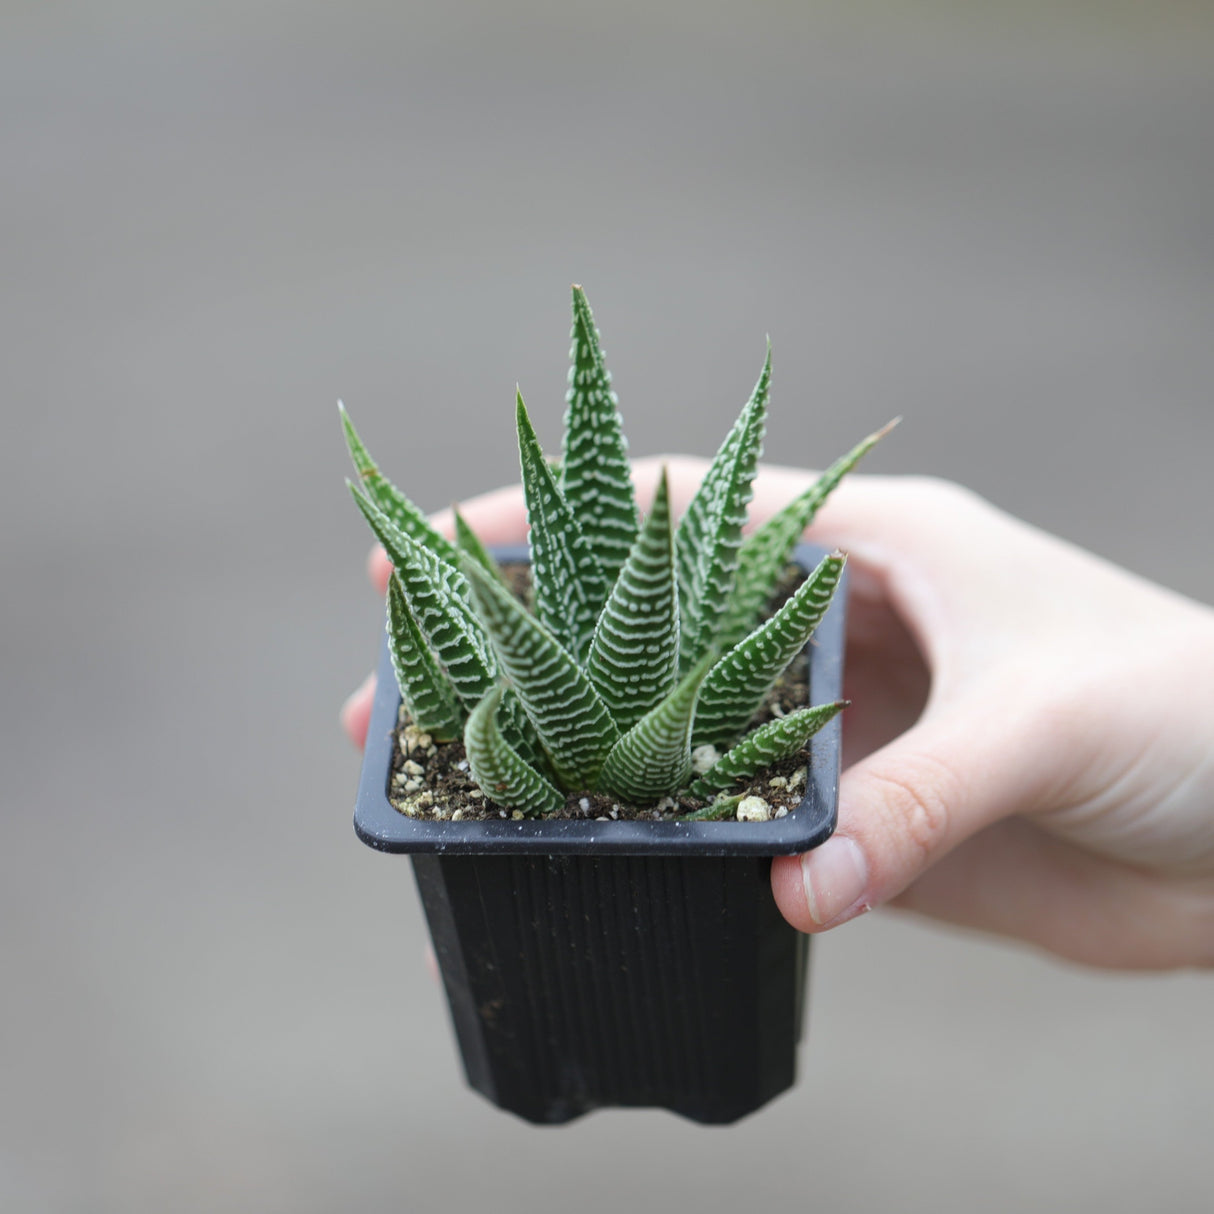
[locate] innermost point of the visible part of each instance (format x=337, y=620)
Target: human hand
x=1030, y=750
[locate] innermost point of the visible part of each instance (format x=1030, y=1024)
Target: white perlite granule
x=753, y=809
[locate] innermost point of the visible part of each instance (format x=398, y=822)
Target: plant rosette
x=598, y=959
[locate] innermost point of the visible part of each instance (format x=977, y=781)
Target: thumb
x=906, y=806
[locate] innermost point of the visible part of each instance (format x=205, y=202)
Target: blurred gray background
x=215, y=220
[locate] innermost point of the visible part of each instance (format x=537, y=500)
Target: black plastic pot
x=591, y=964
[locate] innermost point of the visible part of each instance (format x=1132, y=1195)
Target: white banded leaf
x=715, y=811
x=573, y=724
x=766, y=745
x=503, y=776
x=389, y=499
x=437, y=594
x=634, y=657
x=512, y=721
x=569, y=585
x=426, y=690
x=739, y=682
x=654, y=757
x=710, y=533
x=765, y=553
x=519, y=732
x=595, y=477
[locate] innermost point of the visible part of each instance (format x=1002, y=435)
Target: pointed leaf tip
x=710, y=533
x=595, y=475
x=570, y=586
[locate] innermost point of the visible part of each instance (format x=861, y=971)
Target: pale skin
x=1030, y=747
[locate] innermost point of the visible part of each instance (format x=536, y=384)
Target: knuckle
x=917, y=802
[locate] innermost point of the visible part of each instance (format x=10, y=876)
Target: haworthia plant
x=646, y=641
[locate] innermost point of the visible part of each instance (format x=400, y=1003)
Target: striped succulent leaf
x=437, y=594
x=573, y=724
x=503, y=776
x=467, y=541
x=570, y=587
x=739, y=682
x=595, y=477
x=654, y=757
x=708, y=538
x=766, y=745
x=634, y=657
x=427, y=692
x=389, y=499
x=716, y=810
x=764, y=554
x=520, y=733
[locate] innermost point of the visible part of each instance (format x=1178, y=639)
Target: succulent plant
x=645, y=642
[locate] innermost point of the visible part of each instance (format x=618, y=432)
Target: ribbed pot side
x=577, y=982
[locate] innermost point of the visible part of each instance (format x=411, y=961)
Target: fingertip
x=355, y=715
x=497, y=517
x=789, y=892
x=379, y=569
x=824, y=887
x=443, y=521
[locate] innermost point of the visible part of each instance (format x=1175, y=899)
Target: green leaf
x=570, y=588
x=595, y=477
x=739, y=682
x=766, y=552
x=714, y=811
x=654, y=757
x=389, y=499
x=767, y=745
x=574, y=726
x=634, y=657
x=437, y=594
x=427, y=692
x=710, y=534
x=504, y=777
x=467, y=541
x=520, y=733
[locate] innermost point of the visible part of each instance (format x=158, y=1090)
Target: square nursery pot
x=593, y=964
